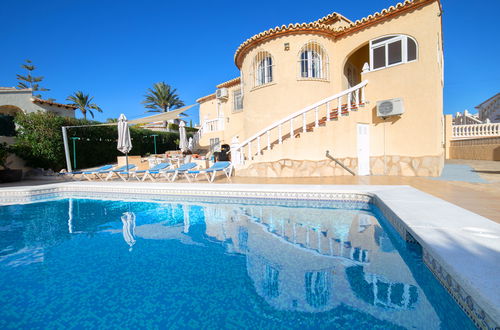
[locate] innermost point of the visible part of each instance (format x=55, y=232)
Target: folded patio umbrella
x=190, y=144
x=183, y=143
x=124, y=141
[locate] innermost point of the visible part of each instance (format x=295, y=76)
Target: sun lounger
x=70, y=175
x=112, y=173
x=94, y=174
x=180, y=170
x=151, y=173
x=225, y=167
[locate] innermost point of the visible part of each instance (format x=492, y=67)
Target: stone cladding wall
x=396, y=165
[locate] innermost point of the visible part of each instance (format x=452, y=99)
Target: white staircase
x=298, y=124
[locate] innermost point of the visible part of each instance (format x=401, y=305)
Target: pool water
x=84, y=263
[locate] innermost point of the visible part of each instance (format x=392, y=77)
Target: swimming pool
x=276, y=264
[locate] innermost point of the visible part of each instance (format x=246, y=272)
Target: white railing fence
x=475, y=130
x=212, y=125
x=300, y=121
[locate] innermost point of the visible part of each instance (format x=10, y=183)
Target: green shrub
x=7, y=126
x=5, y=150
x=39, y=141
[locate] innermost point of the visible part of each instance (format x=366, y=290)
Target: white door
x=363, y=149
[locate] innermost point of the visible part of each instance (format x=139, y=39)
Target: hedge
x=39, y=141
x=7, y=126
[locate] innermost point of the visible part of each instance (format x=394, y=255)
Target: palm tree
x=84, y=103
x=162, y=98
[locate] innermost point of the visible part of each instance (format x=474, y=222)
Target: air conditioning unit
x=222, y=94
x=390, y=107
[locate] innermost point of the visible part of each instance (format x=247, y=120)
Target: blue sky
x=115, y=50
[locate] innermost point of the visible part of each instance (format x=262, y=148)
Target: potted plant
x=7, y=174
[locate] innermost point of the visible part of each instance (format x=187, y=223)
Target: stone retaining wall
x=476, y=149
x=396, y=165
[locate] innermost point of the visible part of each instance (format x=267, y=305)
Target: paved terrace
x=463, y=189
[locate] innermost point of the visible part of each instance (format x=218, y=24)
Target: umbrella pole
x=126, y=161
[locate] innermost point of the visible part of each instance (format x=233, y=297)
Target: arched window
x=392, y=50
x=263, y=68
x=313, y=62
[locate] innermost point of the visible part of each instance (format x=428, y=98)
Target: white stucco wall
x=23, y=100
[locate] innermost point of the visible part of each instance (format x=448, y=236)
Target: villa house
x=13, y=100
x=489, y=110
x=370, y=92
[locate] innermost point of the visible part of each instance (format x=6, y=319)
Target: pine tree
x=30, y=81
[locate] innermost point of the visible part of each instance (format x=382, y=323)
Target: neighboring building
x=387, y=55
x=466, y=118
x=490, y=109
x=163, y=126
x=14, y=100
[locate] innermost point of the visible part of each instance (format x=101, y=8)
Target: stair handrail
x=340, y=163
x=302, y=111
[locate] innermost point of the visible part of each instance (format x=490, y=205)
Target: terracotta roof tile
x=14, y=89
x=229, y=83
x=206, y=98
x=323, y=26
x=69, y=106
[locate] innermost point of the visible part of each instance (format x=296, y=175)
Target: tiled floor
x=480, y=198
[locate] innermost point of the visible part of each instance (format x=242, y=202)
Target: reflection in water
x=128, y=220
x=271, y=282
x=376, y=290
x=315, y=260
x=317, y=288
x=298, y=259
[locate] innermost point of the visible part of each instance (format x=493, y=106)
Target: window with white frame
x=263, y=68
x=392, y=50
x=237, y=100
x=214, y=144
x=313, y=62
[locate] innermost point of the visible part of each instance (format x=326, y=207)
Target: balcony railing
x=212, y=125
x=475, y=130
